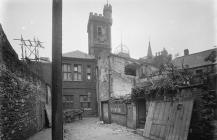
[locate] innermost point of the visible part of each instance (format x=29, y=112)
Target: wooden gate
x=130, y=122
x=168, y=120
x=105, y=113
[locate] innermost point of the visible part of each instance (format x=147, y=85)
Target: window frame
x=99, y=31
x=76, y=73
x=88, y=101
x=66, y=101
x=88, y=73
x=68, y=72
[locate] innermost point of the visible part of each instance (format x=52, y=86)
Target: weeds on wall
x=165, y=84
x=18, y=106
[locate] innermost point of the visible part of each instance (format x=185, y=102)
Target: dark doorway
x=141, y=113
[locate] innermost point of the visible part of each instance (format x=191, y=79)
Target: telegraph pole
x=57, y=117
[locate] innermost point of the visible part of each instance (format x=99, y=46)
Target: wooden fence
x=169, y=120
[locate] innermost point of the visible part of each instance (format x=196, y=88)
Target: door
x=141, y=105
x=130, y=122
x=105, y=113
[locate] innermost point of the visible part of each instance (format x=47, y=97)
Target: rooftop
x=78, y=54
x=194, y=60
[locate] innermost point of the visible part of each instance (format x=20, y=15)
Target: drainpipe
x=109, y=89
x=97, y=92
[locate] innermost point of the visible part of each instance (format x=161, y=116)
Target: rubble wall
x=22, y=96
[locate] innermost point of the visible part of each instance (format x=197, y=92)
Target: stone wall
x=121, y=85
x=103, y=77
x=113, y=82
x=22, y=96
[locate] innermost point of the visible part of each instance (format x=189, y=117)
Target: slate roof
x=194, y=60
x=78, y=54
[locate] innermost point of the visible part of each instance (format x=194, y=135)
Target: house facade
x=79, y=82
x=201, y=64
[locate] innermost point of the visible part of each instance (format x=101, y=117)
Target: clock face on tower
x=101, y=34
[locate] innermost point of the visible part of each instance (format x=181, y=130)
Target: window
x=85, y=100
x=210, y=69
x=77, y=72
x=99, y=31
x=68, y=101
x=66, y=70
x=200, y=71
x=88, y=72
x=119, y=108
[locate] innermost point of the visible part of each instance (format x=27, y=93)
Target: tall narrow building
x=99, y=31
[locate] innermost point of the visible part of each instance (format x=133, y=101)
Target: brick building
x=201, y=63
x=79, y=82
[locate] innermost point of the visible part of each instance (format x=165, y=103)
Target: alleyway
x=91, y=129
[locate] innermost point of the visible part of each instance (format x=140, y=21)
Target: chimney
x=186, y=52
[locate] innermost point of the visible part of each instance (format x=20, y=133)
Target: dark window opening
x=99, y=31
x=68, y=101
x=200, y=71
x=130, y=70
x=85, y=101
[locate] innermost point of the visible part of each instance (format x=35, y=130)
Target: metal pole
x=57, y=118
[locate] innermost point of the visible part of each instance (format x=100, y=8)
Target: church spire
x=149, y=54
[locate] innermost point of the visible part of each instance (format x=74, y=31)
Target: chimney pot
x=186, y=52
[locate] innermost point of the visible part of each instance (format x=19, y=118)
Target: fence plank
x=188, y=119
x=149, y=119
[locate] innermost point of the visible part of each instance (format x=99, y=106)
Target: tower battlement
x=107, y=7
x=99, y=31
x=99, y=17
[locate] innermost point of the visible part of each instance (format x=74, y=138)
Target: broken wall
x=121, y=83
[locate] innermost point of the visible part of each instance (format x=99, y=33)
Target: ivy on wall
x=201, y=127
x=19, y=100
x=21, y=91
x=169, y=82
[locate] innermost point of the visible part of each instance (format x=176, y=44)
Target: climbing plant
x=166, y=83
x=201, y=127
x=19, y=100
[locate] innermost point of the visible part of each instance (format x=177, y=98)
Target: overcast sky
x=171, y=24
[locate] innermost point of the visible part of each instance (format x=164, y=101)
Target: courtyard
x=91, y=129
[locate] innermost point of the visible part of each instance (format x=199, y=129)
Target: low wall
x=123, y=114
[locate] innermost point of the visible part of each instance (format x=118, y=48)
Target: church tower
x=149, y=54
x=99, y=31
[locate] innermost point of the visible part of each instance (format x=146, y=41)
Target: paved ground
x=91, y=129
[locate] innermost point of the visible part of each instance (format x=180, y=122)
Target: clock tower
x=99, y=31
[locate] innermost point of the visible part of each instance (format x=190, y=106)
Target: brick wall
x=83, y=87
